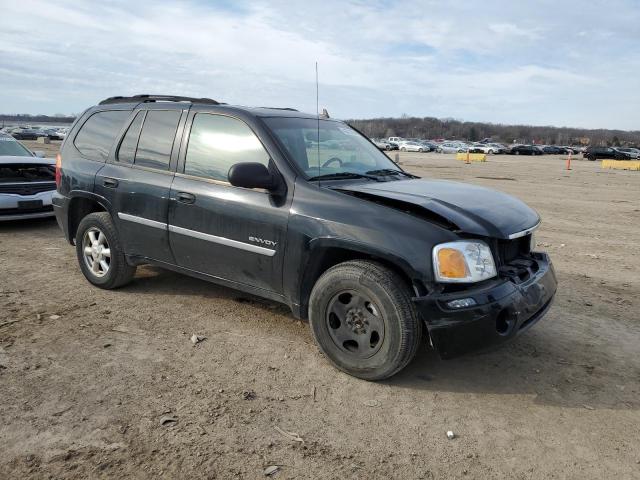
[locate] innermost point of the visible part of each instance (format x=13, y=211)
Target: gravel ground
x=87, y=376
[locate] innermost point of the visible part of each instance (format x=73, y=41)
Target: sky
x=564, y=63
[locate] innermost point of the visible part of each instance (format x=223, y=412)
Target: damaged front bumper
x=503, y=309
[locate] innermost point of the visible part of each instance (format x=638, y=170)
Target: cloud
x=498, y=62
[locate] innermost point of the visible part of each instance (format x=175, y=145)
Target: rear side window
x=216, y=143
x=98, y=133
x=127, y=150
x=156, y=139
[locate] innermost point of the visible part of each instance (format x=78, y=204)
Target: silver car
x=27, y=182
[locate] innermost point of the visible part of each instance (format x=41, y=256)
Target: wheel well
x=329, y=257
x=79, y=208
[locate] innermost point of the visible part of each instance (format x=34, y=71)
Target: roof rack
x=157, y=98
x=281, y=108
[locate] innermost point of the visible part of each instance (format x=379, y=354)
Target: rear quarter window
x=98, y=133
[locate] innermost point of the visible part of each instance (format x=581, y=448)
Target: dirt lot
x=86, y=375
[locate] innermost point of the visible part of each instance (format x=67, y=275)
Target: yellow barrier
x=473, y=157
x=621, y=164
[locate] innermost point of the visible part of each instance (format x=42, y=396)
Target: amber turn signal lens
x=452, y=263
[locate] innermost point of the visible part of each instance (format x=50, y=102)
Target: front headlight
x=464, y=261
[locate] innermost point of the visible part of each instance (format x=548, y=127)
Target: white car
x=412, y=147
x=27, y=182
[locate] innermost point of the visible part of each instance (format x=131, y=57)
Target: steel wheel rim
x=96, y=252
x=355, y=324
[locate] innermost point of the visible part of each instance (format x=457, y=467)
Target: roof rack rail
x=282, y=108
x=157, y=98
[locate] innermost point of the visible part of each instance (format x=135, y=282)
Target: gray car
x=27, y=182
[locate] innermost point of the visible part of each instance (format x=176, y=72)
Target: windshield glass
x=341, y=150
x=9, y=146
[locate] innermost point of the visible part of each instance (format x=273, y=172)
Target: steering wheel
x=333, y=159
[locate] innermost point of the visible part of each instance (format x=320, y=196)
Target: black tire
x=391, y=335
x=517, y=152
x=119, y=272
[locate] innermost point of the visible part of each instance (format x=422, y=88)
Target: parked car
x=596, y=153
x=383, y=144
x=28, y=134
x=526, y=150
x=369, y=253
x=396, y=140
x=447, y=147
x=428, y=146
x=27, y=182
x=486, y=148
x=413, y=147
x=634, y=153
x=552, y=150
x=53, y=134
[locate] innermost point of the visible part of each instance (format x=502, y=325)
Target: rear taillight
x=58, y=169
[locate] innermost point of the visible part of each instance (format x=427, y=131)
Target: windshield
x=341, y=149
x=9, y=146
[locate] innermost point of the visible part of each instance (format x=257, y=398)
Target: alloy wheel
x=96, y=252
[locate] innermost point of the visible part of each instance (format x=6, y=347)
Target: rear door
x=138, y=177
x=232, y=233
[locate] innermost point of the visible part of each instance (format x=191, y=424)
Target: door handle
x=110, y=182
x=184, y=197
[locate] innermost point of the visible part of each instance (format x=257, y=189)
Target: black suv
x=306, y=211
x=595, y=153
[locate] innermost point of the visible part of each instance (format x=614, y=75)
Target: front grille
x=27, y=188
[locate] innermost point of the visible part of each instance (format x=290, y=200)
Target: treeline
x=435, y=128
x=23, y=117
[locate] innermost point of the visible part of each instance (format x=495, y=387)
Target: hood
x=12, y=159
x=470, y=208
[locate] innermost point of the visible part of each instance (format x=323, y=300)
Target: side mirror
x=252, y=175
x=39, y=153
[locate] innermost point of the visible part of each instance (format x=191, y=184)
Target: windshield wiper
x=339, y=175
x=390, y=171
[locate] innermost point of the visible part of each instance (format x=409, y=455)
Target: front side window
x=217, y=142
x=327, y=147
x=98, y=133
x=156, y=139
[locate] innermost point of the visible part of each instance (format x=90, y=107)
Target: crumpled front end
x=499, y=309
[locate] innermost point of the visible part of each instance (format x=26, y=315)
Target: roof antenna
x=318, y=116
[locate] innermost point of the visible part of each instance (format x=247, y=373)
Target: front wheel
x=100, y=255
x=363, y=320
x=403, y=149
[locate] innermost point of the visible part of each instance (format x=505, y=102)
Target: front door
x=232, y=233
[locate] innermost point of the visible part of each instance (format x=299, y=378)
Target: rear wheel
x=363, y=320
x=100, y=256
